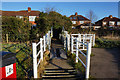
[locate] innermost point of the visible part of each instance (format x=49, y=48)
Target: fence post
x=79, y=39
x=34, y=60
x=44, y=43
x=71, y=44
x=88, y=60
x=68, y=37
x=49, y=39
x=7, y=38
x=83, y=41
x=41, y=48
x=77, y=50
x=93, y=39
x=64, y=41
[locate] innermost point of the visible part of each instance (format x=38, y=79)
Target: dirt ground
x=105, y=64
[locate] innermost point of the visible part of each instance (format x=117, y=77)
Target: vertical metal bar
x=77, y=50
x=34, y=59
x=44, y=43
x=49, y=40
x=83, y=41
x=88, y=60
x=41, y=47
x=68, y=42
x=93, y=39
x=71, y=44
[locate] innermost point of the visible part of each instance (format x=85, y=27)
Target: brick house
x=87, y=25
x=30, y=14
x=78, y=20
x=109, y=22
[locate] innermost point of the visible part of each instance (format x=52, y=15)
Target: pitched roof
x=111, y=19
x=78, y=18
x=20, y=13
x=105, y=19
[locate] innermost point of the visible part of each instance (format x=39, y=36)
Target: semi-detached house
x=110, y=21
x=30, y=14
x=77, y=20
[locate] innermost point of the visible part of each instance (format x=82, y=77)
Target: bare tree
x=48, y=9
x=92, y=17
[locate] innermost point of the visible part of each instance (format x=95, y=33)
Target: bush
x=103, y=43
x=17, y=29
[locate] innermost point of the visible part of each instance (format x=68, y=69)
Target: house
x=78, y=20
x=87, y=25
x=110, y=21
x=30, y=14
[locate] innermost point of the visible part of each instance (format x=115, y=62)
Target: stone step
x=62, y=79
x=56, y=73
x=58, y=76
x=58, y=70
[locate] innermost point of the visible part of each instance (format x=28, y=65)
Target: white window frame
x=32, y=18
x=81, y=22
x=112, y=23
x=19, y=17
x=118, y=23
x=73, y=22
x=104, y=23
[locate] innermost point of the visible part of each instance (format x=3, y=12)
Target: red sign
x=8, y=71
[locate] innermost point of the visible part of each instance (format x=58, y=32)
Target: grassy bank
x=105, y=43
x=23, y=58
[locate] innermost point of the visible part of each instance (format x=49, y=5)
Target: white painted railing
x=38, y=53
x=85, y=38
x=65, y=37
x=79, y=42
x=87, y=55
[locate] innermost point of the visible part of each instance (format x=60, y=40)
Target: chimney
x=110, y=16
x=76, y=14
x=29, y=9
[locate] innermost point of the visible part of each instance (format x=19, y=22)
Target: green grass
x=92, y=55
x=23, y=53
x=104, y=43
x=78, y=66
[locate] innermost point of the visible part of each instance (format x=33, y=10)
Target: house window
x=74, y=17
x=32, y=18
x=118, y=23
x=70, y=17
x=81, y=22
x=74, y=22
x=19, y=17
x=111, y=23
x=104, y=23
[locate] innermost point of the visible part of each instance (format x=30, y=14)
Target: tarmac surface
x=105, y=63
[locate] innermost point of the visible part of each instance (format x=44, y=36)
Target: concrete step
x=60, y=74
x=57, y=73
x=62, y=79
x=57, y=76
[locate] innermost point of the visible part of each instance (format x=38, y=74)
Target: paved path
x=58, y=56
x=105, y=63
x=58, y=67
